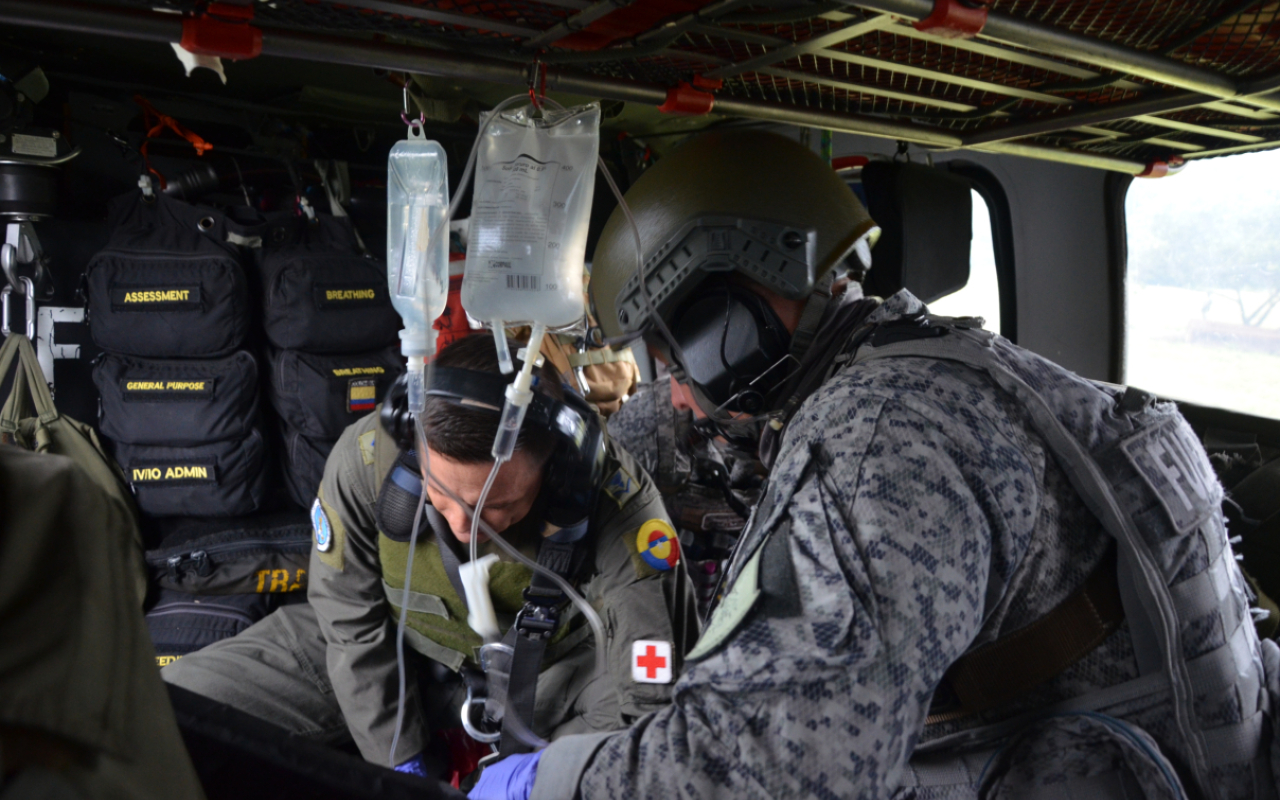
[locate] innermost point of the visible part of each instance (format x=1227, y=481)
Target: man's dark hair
x=465, y=434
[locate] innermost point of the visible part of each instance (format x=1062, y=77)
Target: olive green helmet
x=731, y=200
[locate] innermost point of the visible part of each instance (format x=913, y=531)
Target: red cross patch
x=650, y=661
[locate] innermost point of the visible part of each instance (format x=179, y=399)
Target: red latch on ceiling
x=955, y=19
x=222, y=30
x=685, y=99
x=1159, y=169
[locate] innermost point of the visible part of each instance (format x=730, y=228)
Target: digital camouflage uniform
x=913, y=513
x=329, y=667
x=693, y=475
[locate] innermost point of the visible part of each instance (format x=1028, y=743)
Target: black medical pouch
x=222, y=479
x=319, y=396
x=303, y=465
x=177, y=402
x=181, y=623
x=263, y=554
x=320, y=293
x=167, y=285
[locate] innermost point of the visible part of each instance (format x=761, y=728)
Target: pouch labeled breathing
x=532, y=201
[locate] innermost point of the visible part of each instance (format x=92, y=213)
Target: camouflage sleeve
x=873, y=553
x=346, y=592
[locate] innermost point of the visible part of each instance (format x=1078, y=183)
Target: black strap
x=450, y=558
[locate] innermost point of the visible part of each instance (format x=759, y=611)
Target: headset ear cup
x=395, y=417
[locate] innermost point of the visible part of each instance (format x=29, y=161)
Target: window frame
x=988, y=186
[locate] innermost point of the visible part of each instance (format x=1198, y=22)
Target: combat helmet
x=733, y=200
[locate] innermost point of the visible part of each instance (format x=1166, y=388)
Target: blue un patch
x=320, y=523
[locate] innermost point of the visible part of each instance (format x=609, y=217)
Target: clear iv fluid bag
x=529, y=214
x=417, y=242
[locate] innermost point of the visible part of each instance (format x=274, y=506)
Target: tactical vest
x=1141, y=471
x=436, y=625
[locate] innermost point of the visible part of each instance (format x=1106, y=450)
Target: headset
x=570, y=478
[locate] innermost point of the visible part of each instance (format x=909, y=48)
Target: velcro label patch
x=169, y=474
x=346, y=372
x=337, y=297
x=156, y=298
x=144, y=391
x=1175, y=468
x=362, y=395
x=651, y=661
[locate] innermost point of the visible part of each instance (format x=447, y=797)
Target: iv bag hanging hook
x=421, y=121
x=537, y=82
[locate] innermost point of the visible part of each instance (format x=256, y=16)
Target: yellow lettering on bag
x=164, y=661
x=279, y=580
x=169, y=296
x=349, y=294
x=347, y=371
x=146, y=474
x=186, y=473
x=165, y=386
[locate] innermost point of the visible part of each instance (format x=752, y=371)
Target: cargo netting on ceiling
x=850, y=59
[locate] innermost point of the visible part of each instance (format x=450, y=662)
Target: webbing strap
x=602, y=355
x=999, y=672
x=1155, y=606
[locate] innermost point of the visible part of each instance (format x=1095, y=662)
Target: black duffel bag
x=167, y=285
x=320, y=293
x=265, y=554
x=319, y=396
x=181, y=623
x=222, y=479
x=177, y=403
x=303, y=465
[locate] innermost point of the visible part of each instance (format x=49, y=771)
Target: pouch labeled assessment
x=167, y=285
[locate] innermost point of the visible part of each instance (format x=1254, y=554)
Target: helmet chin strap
x=811, y=316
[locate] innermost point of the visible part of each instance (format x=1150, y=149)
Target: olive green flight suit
x=329, y=668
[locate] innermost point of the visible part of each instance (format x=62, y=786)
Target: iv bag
x=417, y=244
x=532, y=202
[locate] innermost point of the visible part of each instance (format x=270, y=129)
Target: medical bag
x=177, y=403
x=168, y=284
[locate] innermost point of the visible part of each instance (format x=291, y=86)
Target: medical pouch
x=303, y=465
x=262, y=554
x=320, y=293
x=177, y=403
x=222, y=479
x=167, y=285
x=319, y=396
x=182, y=623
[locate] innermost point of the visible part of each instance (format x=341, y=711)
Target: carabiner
x=470, y=728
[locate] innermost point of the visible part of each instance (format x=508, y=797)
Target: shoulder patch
x=320, y=525
x=366, y=441
x=732, y=610
x=654, y=549
x=621, y=487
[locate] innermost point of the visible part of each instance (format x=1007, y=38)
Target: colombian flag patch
x=362, y=395
x=657, y=544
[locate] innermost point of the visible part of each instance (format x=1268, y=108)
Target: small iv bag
x=529, y=214
x=417, y=248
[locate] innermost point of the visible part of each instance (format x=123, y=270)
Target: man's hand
x=509, y=779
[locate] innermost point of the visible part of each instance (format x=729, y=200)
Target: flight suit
x=914, y=515
x=328, y=669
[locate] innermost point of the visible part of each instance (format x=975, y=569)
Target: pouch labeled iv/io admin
x=532, y=202
x=417, y=246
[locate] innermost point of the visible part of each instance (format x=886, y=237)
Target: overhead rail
x=1012, y=85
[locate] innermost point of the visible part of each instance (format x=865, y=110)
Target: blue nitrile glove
x=509, y=779
x=414, y=766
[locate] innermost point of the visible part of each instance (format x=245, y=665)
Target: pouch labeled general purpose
x=303, y=463
x=223, y=479
x=320, y=293
x=264, y=554
x=167, y=285
x=182, y=623
x=177, y=402
x=319, y=396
